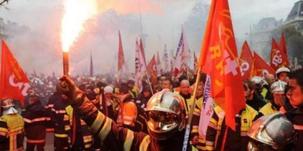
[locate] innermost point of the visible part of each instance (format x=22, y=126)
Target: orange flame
x=77, y=12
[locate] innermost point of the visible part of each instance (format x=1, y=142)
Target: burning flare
x=76, y=13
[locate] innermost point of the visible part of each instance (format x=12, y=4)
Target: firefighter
x=57, y=104
x=110, y=105
x=219, y=136
x=277, y=90
x=270, y=133
x=283, y=74
x=11, y=127
x=128, y=112
x=166, y=121
x=197, y=140
x=185, y=92
x=133, y=90
x=253, y=94
x=35, y=119
x=81, y=138
x=261, y=87
x=141, y=102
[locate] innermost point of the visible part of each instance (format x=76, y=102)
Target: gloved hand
x=69, y=88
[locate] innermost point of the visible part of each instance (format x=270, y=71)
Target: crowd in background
x=46, y=110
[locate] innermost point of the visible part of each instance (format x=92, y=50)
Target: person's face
x=295, y=94
x=283, y=76
x=200, y=90
x=146, y=93
x=32, y=100
x=166, y=84
x=108, y=95
x=184, y=89
x=248, y=93
x=278, y=98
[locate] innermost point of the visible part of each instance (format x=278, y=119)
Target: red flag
x=121, y=61
x=277, y=56
x=246, y=61
x=283, y=47
x=140, y=65
x=142, y=50
x=261, y=68
x=152, y=70
x=219, y=60
x=14, y=82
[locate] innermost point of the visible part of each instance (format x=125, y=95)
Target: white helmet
x=8, y=107
x=108, y=89
x=282, y=69
x=278, y=87
x=259, y=81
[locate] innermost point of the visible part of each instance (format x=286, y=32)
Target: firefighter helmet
x=7, y=103
x=272, y=132
x=282, y=69
x=278, y=87
x=166, y=114
x=259, y=81
x=7, y=106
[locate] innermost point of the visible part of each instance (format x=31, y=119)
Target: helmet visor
x=160, y=122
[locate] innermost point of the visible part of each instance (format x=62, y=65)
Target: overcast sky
x=161, y=19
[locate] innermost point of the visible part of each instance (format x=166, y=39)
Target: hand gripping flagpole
x=191, y=111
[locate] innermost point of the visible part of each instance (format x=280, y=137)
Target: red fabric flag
x=219, y=60
x=142, y=50
x=121, y=60
x=277, y=56
x=14, y=82
x=246, y=61
x=261, y=68
x=283, y=47
x=140, y=65
x=152, y=70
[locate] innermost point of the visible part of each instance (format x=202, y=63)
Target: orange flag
x=219, y=60
x=246, y=61
x=152, y=70
x=261, y=68
x=277, y=56
x=14, y=82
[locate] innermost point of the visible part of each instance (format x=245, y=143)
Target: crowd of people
x=106, y=114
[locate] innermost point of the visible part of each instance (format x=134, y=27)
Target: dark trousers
x=61, y=144
x=31, y=146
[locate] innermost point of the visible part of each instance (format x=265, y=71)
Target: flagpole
x=149, y=83
x=191, y=111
